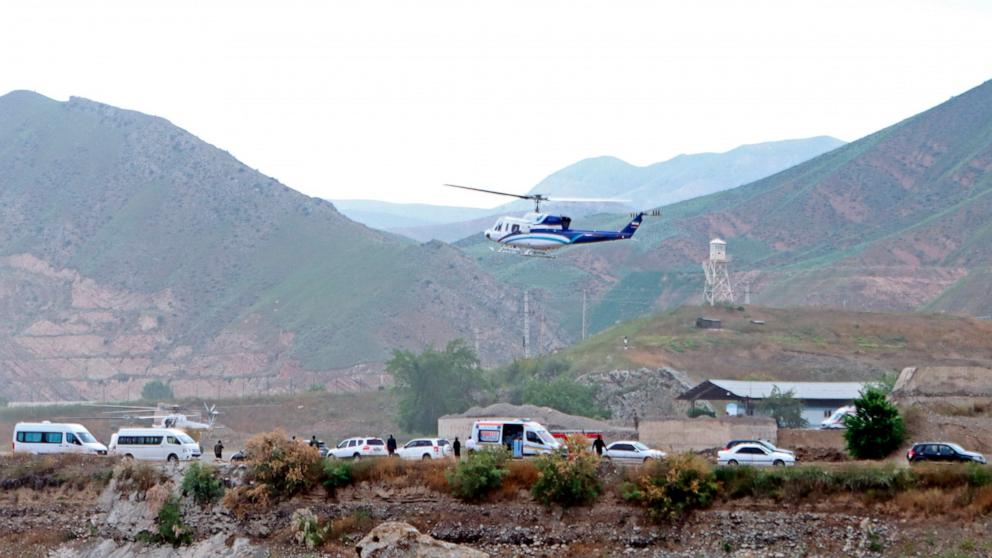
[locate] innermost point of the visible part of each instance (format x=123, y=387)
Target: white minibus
x=154, y=444
x=55, y=437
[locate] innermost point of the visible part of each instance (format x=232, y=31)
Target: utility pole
x=747, y=294
x=540, y=333
x=526, y=324
x=475, y=331
x=583, y=314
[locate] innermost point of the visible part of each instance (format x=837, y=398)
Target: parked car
x=755, y=455
x=942, y=452
x=425, y=448
x=357, y=448
x=627, y=451
x=765, y=443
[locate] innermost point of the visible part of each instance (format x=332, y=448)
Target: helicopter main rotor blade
x=521, y=196
x=584, y=200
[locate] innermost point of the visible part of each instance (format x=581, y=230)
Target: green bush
x=784, y=408
x=567, y=480
x=877, y=429
x=307, y=530
x=201, y=482
x=674, y=487
x=171, y=529
x=337, y=474
x=156, y=390
x=474, y=478
x=700, y=411
x=800, y=482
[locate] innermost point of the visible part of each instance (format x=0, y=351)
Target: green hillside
x=896, y=221
x=138, y=205
x=786, y=344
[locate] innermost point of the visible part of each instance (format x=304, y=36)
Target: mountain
x=131, y=250
x=898, y=220
x=681, y=178
x=394, y=216
x=685, y=176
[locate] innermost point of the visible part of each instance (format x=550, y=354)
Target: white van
x=495, y=432
x=55, y=437
x=154, y=444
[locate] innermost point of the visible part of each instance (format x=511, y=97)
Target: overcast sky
x=387, y=100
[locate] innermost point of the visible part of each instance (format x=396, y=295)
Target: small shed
x=703, y=322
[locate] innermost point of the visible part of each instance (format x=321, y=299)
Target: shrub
x=278, y=468
x=695, y=411
x=359, y=521
x=337, y=474
x=134, y=476
x=672, y=488
x=156, y=390
x=877, y=429
x=474, y=478
x=567, y=480
x=202, y=483
x=565, y=395
x=307, y=530
x=171, y=529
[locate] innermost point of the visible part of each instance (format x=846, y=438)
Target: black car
x=942, y=452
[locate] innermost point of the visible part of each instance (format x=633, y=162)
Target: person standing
x=219, y=450
x=457, y=446
x=391, y=445
x=599, y=445
x=313, y=441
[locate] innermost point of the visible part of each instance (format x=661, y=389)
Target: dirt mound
x=935, y=381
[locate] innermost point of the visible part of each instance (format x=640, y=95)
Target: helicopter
x=536, y=233
x=165, y=416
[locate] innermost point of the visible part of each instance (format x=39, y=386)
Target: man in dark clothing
x=457, y=446
x=599, y=445
x=391, y=445
x=218, y=450
x=313, y=441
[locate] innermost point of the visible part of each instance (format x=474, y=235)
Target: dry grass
x=402, y=474
x=38, y=472
x=521, y=477
x=974, y=409
x=136, y=477
x=355, y=525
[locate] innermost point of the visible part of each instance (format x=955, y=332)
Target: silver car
x=627, y=451
x=756, y=455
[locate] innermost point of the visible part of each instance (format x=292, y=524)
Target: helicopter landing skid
x=530, y=253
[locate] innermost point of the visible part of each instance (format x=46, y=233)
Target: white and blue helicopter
x=536, y=233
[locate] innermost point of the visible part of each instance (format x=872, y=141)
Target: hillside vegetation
x=797, y=344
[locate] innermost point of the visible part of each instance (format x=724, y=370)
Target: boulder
x=395, y=539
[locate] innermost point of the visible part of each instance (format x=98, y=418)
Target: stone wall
x=675, y=435
x=791, y=438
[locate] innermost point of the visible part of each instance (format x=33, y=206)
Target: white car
x=626, y=451
x=357, y=448
x=425, y=449
x=755, y=455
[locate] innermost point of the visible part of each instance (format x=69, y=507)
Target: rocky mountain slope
x=132, y=250
x=898, y=220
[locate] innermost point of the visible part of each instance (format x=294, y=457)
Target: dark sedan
x=942, y=452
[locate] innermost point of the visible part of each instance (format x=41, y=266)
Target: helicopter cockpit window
x=499, y=227
x=516, y=228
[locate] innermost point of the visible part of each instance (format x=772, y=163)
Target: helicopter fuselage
x=543, y=232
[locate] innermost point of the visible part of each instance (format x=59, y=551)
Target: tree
x=564, y=394
x=156, y=390
x=784, y=408
x=434, y=383
x=876, y=429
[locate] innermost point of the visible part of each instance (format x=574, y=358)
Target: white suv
x=425, y=448
x=357, y=448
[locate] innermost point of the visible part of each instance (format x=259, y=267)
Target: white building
x=820, y=399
